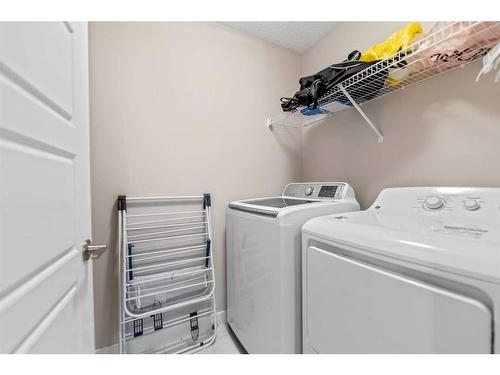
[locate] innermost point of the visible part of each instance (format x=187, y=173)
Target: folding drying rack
x=167, y=284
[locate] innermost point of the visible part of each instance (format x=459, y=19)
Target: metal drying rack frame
x=160, y=274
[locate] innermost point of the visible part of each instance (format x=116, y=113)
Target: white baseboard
x=115, y=348
x=221, y=317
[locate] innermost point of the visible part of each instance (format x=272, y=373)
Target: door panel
x=53, y=331
x=38, y=57
x=45, y=285
x=352, y=307
x=26, y=119
x=41, y=292
x=33, y=178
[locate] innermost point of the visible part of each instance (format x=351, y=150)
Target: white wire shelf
x=451, y=46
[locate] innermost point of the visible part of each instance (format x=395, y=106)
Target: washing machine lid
x=298, y=196
x=453, y=240
x=269, y=206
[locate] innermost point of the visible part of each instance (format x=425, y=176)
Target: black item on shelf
x=313, y=87
x=368, y=87
x=306, y=82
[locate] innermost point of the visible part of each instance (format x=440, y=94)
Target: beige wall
x=445, y=131
x=180, y=108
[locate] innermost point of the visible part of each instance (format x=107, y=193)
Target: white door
x=45, y=285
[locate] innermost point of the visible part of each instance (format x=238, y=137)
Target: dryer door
x=353, y=307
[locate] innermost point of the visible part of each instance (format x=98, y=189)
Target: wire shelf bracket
x=363, y=114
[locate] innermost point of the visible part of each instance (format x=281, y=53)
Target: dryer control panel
x=443, y=201
x=319, y=190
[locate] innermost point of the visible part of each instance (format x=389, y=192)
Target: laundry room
x=223, y=185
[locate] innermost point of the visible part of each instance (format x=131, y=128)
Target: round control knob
x=471, y=204
x=309, y=190
x=433, y=203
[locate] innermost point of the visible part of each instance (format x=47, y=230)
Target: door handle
x=92, y=251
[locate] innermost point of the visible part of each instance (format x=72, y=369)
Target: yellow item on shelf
x=395, y=42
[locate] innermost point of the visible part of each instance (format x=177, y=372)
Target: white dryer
x=263, y=262
x=418, y=272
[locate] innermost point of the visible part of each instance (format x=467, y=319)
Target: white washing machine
x=418, y=272
x=263, y=262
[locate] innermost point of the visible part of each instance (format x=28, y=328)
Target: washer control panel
x=317, y=190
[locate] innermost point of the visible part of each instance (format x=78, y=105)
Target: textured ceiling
x=297, y=36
